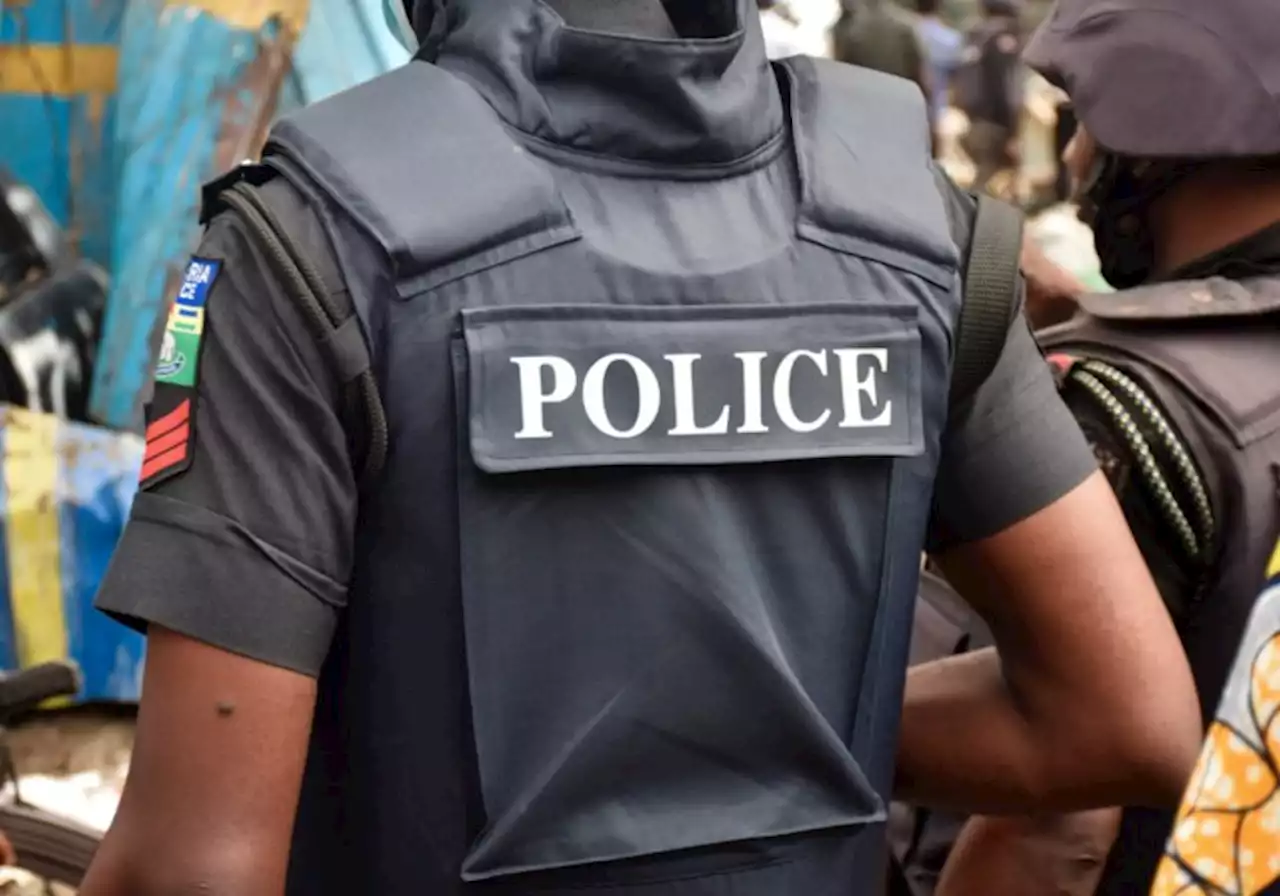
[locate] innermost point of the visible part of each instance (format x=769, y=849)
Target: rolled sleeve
x=185, y=568
x=250, y=547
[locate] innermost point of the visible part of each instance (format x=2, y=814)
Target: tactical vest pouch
x=650, y=653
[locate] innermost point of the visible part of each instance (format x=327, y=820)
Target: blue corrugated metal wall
x=57, y=109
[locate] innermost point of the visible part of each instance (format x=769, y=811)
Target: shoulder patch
x=171, y=414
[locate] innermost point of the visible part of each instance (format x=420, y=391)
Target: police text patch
x=179, y=348
x=171, y=414
x=588, y=385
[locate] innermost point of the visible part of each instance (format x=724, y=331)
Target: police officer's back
x=1176, y=379
x=569, y=490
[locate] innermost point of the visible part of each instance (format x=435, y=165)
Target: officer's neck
x=1210, y=212
x=639, y=18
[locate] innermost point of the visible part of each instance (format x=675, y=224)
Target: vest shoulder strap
x=863, y=149
x=865, y=156
x=271, y=214
x=991, y=290
x=452, y=183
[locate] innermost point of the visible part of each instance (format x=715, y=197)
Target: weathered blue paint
x=97, y=478
x=62, y=146
x=346, y=42
x=182, y=89
x=181, y=81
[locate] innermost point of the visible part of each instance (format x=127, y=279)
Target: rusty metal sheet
x=198, y=86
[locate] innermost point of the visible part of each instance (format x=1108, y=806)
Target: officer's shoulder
x=416, y=95
x=263, y=180
x=289, y=208
x=862, y=83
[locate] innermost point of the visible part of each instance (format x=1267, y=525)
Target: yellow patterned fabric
x=1226, y=840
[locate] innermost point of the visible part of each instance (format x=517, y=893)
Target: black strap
x=990, y=295
x=322, y=296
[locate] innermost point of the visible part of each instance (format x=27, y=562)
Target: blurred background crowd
x=997, y=125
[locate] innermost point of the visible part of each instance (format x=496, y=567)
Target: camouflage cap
x=1168, y=78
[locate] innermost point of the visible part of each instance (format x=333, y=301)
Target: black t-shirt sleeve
x=250, y=548
x=1010, y=450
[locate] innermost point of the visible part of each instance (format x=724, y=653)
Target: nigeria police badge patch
x=171, y=414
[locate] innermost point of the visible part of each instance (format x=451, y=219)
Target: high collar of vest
x=681, y=101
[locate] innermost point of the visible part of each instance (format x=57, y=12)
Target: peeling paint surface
x=196, y=96
x=58, y=64
x=66, y=493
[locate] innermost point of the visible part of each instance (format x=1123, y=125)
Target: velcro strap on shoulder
x=990, y=295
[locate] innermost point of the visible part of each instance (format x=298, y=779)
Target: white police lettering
x=782, y=391
x=855, y=388
x=593, y=396
x=752, y=392
x=532, y=399
x=549, y=380
x=682, y=380
x=198, y=274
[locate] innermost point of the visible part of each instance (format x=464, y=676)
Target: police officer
x=1176, y=379
x=988, y=89
x=607, y=584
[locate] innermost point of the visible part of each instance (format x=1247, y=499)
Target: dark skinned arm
x=1090, y=701
x=213, y=785
x=1056, y=855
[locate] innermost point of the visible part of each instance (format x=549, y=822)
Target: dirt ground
x=74, y=763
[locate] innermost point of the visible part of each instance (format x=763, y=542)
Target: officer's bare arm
x=1054, y=855
x=214, y=781
x=1090, y=701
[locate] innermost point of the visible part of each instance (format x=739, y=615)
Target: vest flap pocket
x=667, y=628
x=595, y=385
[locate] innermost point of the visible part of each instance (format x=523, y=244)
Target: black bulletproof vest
x=1209, y=352
x=662, y=335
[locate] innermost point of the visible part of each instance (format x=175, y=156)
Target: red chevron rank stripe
x=168, y=440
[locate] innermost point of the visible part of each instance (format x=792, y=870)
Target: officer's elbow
x=1139, y=756
x=1159, y=747
x=126, y=865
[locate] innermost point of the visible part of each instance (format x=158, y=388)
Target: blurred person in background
x=1175, y=379
x=988, y=89
x=880, y=35
x=942, y=48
